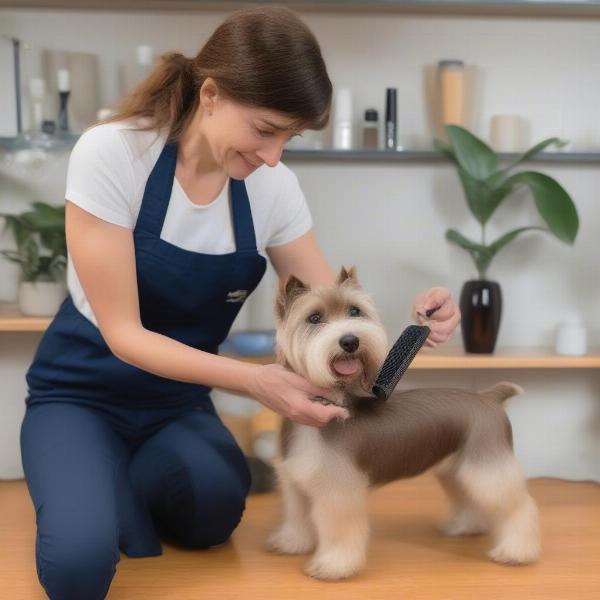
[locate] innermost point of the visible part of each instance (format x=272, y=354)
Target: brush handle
x=399, y=359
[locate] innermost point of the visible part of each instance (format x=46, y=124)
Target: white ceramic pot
x=41, y=298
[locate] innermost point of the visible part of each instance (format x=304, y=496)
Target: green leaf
x=12, y=256
x=496, y=195
x=553, y=203
x=471, y=153
x=533, y=151
x=19, y=228
x=476, y=193
x=54, y=241
x=44, y=216
x=57, y=267
x=509, y=237
x=43, y=226
x=480, y=254
x=458, y=238
x=482, y=199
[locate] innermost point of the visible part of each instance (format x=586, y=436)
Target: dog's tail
x=502, y=391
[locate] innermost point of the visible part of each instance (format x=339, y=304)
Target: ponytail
x=168, y=97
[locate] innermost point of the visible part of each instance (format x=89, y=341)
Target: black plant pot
x=481, y=308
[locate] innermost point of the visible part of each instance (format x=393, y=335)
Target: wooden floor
x=408, y=558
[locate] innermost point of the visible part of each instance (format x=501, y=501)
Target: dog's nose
x=349, y=342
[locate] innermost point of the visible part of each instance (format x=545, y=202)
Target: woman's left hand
x=443, y=321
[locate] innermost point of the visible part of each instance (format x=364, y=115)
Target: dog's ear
x=288, y=291
x=347, y=274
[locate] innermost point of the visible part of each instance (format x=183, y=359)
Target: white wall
x=389, y=219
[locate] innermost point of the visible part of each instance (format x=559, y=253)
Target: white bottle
x=342, y=125
x=144, y=61
x=64, y=80
x=37, y=93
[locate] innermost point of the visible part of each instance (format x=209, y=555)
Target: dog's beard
x=311, y=352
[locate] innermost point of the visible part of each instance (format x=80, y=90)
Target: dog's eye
x=315, y=318
x=354, y=311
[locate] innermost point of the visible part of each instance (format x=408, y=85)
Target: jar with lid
x=451, y=77
x=370, y=137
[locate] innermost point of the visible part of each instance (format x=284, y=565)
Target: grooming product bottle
x=342, y=126
x=37, y=92
x=451, y=75
x=64, y=90
x=144, y=61
x=370, y=139
x=507, y=133
x=390, y=119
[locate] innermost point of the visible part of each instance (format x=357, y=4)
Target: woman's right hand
x=289, y=395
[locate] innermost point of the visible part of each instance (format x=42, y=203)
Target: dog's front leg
x=340, y=517
x=296, y=533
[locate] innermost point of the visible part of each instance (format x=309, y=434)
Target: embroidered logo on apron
x=237, y=296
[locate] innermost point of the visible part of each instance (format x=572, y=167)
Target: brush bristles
x=399, y=359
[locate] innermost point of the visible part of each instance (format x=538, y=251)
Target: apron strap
x=158, y=192
x=243, y=227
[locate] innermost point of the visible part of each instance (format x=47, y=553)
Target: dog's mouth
x=346, y=366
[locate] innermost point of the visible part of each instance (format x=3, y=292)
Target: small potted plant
x=486, y=184
x=41, y=253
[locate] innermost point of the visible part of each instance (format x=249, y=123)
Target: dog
x=332, y=336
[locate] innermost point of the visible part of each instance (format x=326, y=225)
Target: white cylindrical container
x=342, y=124
x=145, y=55
x=64, y=80
x=144, y=61
x=571, y=338
x=506, y=133
x=37, y=93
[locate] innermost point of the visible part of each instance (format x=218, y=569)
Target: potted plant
x=41, y=253
x=486, y=184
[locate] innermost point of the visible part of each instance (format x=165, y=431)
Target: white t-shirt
x=107, y=174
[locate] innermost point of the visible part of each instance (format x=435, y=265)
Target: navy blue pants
x=104, y=481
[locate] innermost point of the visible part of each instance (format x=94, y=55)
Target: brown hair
x=264, y=57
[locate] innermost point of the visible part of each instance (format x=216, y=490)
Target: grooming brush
x=400, y=357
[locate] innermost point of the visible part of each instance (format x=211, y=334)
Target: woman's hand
x=443, y=321
x=289, y=395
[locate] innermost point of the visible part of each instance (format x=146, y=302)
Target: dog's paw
x=332, y=565
x=509, y=552
x=290, y=539
x=464, y=522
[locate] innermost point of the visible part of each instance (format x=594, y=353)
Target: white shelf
x=360, y=155
x=512, y=8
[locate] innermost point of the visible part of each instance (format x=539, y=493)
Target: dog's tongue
x=347, y=366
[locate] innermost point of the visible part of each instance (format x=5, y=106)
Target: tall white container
x=342, y=124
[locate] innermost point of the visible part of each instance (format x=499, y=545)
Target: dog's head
x=331, y=335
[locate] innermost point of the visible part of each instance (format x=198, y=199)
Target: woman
x=121, y=443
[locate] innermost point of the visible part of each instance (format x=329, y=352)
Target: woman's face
x=242, y=138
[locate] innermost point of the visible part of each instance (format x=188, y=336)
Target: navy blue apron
x=190, y=297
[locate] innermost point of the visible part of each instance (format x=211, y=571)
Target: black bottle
x=390, y=119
